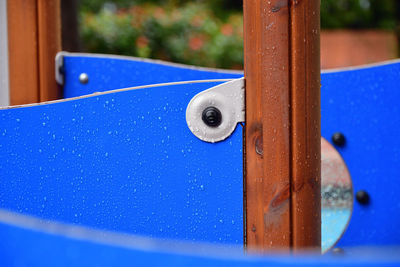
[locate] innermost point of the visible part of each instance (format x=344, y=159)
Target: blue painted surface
x=363, y=104
x=108, y=73
x=126, y=161
x=36, y=243
x=123, y=161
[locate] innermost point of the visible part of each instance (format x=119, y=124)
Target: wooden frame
x=34, y=39
x=282, y=146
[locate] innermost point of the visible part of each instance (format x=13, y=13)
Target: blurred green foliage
x=188, y=33
x=201, y=32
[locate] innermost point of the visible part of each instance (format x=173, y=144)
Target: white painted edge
x=229, y=99
x=361, y=67
x=115, y=91
x=4, y=71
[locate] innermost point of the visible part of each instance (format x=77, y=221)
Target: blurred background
x=210, y=33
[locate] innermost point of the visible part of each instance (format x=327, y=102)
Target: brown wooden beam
x=305, y=124
x=23, y=51
x=49, y=39
x=34, y=39
x=282, y=186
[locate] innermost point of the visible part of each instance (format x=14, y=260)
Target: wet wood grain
x=282, y=134
x=305, y=124
x=49, y=39
x=34, y=40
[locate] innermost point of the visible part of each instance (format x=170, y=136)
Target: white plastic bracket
x=59, y=67
x=229, y=99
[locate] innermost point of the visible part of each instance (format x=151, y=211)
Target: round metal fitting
x=83, y=78
x=338, y=139
x=362, y=197
x=212, y=117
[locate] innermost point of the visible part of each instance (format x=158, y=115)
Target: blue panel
x=126, y=161
x=113, y=72
x=123, y=161
x=27, y=242
x=363, y=104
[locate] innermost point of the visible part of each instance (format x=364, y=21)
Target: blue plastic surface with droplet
x=108, y=73
x=27, y=242
x=123, y=161
x=87, y=183
x=363, y=104
x=360, y=103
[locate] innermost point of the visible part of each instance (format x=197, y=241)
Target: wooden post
x=33, y=41
x=49, y=40
x=282, y=154
x=23, y=51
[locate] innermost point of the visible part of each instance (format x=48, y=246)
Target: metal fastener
x=338, y=139
x=212, y=117
x=362, y=197
x=83, y=78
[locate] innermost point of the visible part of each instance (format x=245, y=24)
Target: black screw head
x=339, y=139
x=212, y=117
x=362, y=197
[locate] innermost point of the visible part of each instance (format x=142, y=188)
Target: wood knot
x=281, y=197
x=279, y=5
x=257, y=138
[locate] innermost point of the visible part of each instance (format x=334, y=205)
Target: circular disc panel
x=336, y=196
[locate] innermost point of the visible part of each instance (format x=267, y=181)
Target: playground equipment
x=89, y=155
x=114, y=173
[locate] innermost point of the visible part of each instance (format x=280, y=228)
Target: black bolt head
x=338, y=139
x=212, y=117
x=362, y=197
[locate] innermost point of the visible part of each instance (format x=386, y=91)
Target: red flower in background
x=227, y=29
x=196, y=42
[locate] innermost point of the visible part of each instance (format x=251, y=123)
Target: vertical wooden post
x=34, y=39
x=23, y=51
x=305, y=124
x=49, y=40
x=282, y=72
